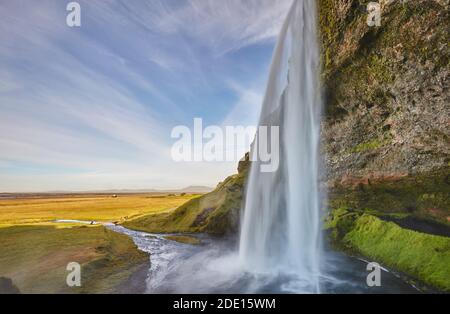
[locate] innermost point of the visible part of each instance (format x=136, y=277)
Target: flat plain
x=35, y=251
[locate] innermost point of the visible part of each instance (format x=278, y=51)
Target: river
x=213, y=267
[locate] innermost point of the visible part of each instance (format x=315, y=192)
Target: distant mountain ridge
x=190, y=189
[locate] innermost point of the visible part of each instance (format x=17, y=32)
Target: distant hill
x=195, y=189
x=190, y=189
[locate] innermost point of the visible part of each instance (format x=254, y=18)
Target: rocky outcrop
x=387, y=89
x=387, y=106
x=385, y=134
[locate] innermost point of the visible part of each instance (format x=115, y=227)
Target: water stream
x=213, y=267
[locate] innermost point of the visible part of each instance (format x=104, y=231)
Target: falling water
x=281, y=221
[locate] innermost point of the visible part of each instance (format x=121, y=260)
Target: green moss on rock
x=422, y=256
x=375, y=144
x=425, y=196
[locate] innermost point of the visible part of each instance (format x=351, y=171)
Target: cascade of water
x=281, y=221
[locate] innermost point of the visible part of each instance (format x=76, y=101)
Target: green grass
x=422, y=256
x=34, y=252
x=36, y=257
x=180, y=220
x=214, y=212
x=85, y=207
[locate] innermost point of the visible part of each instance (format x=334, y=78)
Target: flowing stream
x=213, y=267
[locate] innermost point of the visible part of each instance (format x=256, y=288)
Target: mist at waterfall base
x=279, y=250
x=214, y=267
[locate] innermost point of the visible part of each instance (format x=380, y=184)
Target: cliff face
x=385, y=134
x=387, y=89
x=386, y=130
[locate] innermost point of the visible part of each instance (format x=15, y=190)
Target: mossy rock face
x=386, y=88
x=424, y=257
x=385, y=131
x=425, y=196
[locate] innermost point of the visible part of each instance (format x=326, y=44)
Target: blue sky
x=93, y=107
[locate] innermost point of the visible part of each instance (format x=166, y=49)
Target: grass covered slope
x=422, y=256
x=35, y=258
x=215, y=213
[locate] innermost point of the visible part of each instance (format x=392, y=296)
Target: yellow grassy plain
x=102, y=208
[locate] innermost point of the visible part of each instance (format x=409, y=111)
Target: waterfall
x=281, y=228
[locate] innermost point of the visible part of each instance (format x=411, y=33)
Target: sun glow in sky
x=93, y=107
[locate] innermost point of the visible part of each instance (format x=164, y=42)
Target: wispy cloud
x=93, y=107
x=222, y=26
